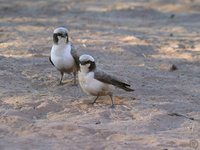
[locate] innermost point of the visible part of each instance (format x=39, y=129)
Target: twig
x=181, y=115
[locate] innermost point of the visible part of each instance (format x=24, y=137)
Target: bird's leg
x=61, y=78
x=94, y=100
x=74, y=77
x=112, y=105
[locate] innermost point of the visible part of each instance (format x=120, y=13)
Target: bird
x=63, y=55
x=96, y=82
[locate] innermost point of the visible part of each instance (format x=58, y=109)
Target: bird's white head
x=60, y=34
x=87, y=63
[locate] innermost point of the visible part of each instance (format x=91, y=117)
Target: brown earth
x=138, y=41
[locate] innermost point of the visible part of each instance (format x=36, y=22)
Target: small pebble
x=173, y=68
x=182, y=46
x=172, y=16
x=98, y=122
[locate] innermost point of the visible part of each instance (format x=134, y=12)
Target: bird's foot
x=91, y=103
x=112, y=106
x=60, y=84
x=74, y=84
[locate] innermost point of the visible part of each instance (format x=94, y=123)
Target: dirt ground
x=137, y=40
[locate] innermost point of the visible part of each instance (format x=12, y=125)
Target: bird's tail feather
x=127, y=88
x=124, y=86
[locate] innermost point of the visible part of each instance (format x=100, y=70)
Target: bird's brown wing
x=106, y=78
x=75, y=56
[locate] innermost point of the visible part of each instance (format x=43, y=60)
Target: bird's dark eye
x=65, y=34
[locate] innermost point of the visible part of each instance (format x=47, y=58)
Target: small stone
x=133, y=98
x=192, y=46
x=172, y=16
x=182, y=46
x=173, y=68
x=98, y=122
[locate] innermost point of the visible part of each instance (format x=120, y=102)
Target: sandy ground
x=136, y=40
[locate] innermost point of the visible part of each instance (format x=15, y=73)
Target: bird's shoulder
x=109, y=79
x=103, y=76
x=75, y=55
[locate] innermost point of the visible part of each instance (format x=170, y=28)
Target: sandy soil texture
x=152, y=44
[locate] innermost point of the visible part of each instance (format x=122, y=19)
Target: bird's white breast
x=61, y=56
x=92, y=86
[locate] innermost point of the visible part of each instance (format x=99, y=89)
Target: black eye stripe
x=85, y=62
x=59, y=34
x=62, y=34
